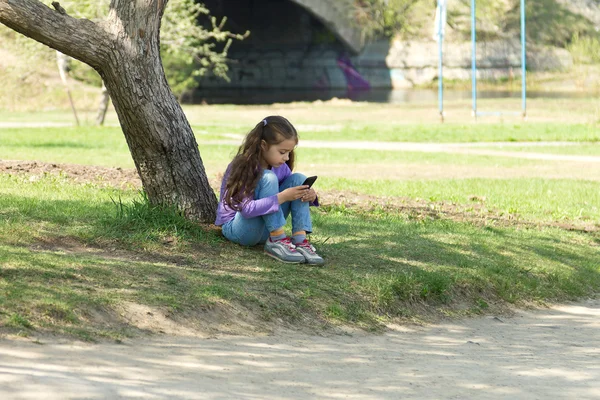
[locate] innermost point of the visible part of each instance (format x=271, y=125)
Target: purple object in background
x=354, y=79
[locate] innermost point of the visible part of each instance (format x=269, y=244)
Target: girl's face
x=276, y=155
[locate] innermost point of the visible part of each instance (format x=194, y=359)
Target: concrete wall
x=294, y=44
x=399, y=65
x=413, y=63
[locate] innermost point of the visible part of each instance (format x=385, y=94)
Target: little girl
x=259, y=191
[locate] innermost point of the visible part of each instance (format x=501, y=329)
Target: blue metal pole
x=473, y=59
x=523, y=62
x=440, y=63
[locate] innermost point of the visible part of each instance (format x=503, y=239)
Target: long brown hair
x=245, y=169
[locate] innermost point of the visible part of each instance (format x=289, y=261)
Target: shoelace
x=306, y=245
x=287, y=243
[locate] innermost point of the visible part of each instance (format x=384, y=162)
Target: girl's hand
x=291, y=194
x=310, y=195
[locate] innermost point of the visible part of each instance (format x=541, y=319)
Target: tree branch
x=79, y=38
x=59, y=8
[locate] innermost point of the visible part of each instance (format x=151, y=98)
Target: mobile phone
x=310, y=180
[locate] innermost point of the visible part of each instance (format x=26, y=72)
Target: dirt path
x=540, y=354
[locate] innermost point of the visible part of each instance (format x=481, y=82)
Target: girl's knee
x=268, y=175
x=268, y=185
x=245, y=232
x=268, y=178
x=297, y=178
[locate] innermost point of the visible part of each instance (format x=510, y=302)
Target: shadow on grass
x=395, y=261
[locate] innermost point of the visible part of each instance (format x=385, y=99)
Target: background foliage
x=192, y=42
x=549, y=22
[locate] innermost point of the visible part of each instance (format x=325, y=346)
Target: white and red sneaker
x=309, y=253
x=283, y=250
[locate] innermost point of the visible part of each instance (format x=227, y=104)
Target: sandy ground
x=544, y=354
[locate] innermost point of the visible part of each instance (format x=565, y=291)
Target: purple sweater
x=251, y=208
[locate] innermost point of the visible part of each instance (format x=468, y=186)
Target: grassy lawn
x=451, y=132
x=529, y=199
x=356, y=156
x=74, y=255
x=106, y=146
x=70, y=252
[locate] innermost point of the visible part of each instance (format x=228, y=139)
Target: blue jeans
x=251, y=231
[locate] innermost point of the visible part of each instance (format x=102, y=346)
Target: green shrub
x=585, y=49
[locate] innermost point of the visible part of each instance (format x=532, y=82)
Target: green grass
x=70, y=254
x=395, y=259
x=34, y=209
x=357, y=156
x=68, y=145
x=106, y=146
x=53, y=117
x=532, y=199
x=458, y=133
x=220, y=155
x=440, y=133
x=88, y=145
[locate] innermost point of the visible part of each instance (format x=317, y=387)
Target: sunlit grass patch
x=531, y=199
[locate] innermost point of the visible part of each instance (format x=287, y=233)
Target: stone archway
x=294, y=47
x=336, y=15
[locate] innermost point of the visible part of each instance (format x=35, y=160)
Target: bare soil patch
x=104, y=176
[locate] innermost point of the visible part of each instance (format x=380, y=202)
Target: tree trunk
x=124, y=49
x=159, y=136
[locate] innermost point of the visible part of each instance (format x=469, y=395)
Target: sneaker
x=309, y=253
x=283, y=250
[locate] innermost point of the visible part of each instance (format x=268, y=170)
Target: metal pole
x=473, y=60
x=440, y=62
x=523, y=62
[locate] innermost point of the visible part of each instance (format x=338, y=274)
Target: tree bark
x=125, y=50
